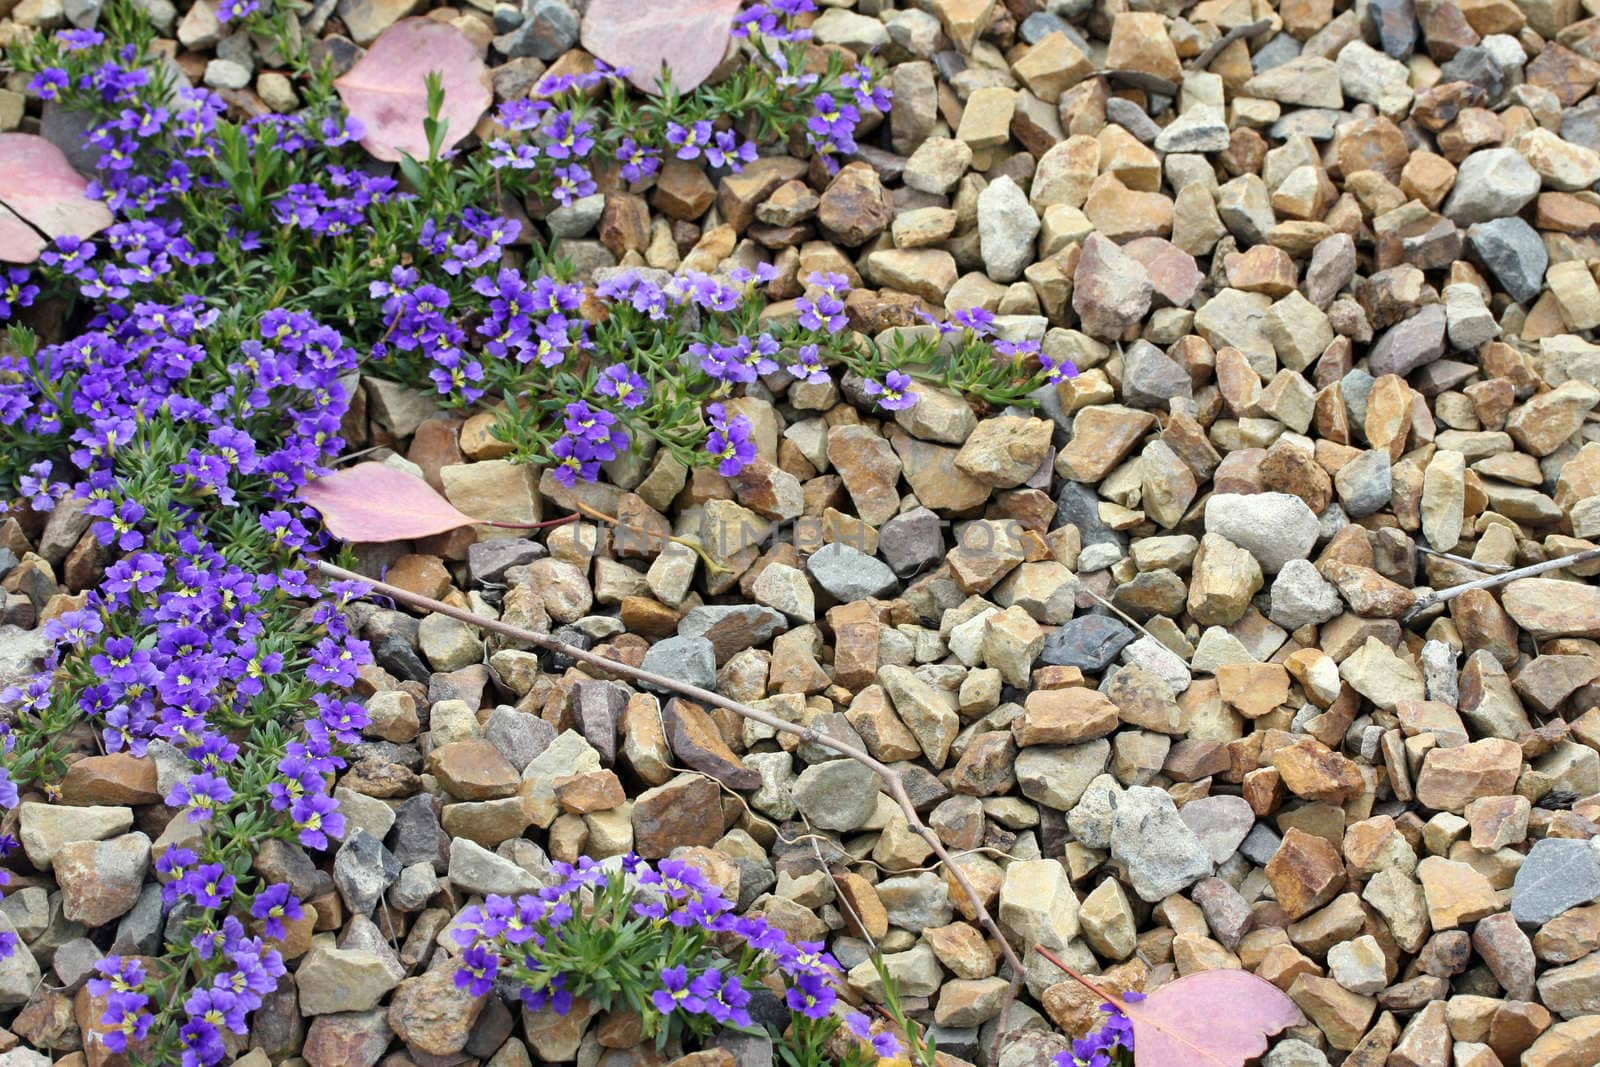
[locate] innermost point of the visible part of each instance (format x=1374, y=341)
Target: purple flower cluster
x=338, y=209
x=719, y=148
x=730, y=443
x=1100, y=1047
x=522, y=939
x=530, y=322
x=555, y=142
x=590, y=436
x=774, y=20
x=739, y=362
x=883, y=1044
x=249, y=971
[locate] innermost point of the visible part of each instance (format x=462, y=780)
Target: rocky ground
x=1147, y=653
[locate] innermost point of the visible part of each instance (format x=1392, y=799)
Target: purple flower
x=273, y=905
x=48, y=83
x=208, y=885
x=884, y=1045
x=572, y=183
x=79, y=40
x=638, y=162
x=977, y=319
x=811, y=995
x=867, y=92
x=15, y=293
x=831, y=129
x=125, y=1019
x=894, y=392
x=621, y=384
x=567, y=138
x=234, y=10
x=679, y=992
x=726, y=149
x=316, y=818
x=202, y=794
x=477, y=970
x=808, y=366
x=1057, y=369
x=1017, y=350
x=119, y=525
x=691, y=140
x=729, y=442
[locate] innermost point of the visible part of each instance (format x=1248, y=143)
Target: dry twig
x=1441, y=596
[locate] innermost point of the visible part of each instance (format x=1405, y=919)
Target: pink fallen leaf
x=376, y=502
x=1209, y=1019
x=41, y=196
x=388, y=92
x=688, y=37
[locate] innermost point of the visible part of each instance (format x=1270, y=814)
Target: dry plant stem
x=1494, y=581
x=1080, y=979
x=892, y=780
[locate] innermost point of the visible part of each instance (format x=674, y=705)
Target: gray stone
x=414, y=888
x=1089, y=642
x=837, y=795
x=1411, y=343
x=1159, y=851
x=488, y=561
x=417, y=835
x=1580, y=124
x=477, y=870
x=1393, y=24
x=1559, y=873
x=1132, y=117
x=912, y=541
x=1079, y=505
x=1260, y=844
x=1302, y=597
x=848, y=574
x=1220, y=822
x=362, y=870
x=1092, y=818
x=1057, y=775
x=733, y=628
x=1365, y=484
x=19, y=972
x=692, y=660
x=549, y=28
x=518, y=735
x=1513, y=253
x=916, y=902
x=1007, y=226
x=21, y=652
x=1490, y=184
x=226, y=74
x=1272, y=527
x=1478, y=66
x=1150, y=378
x=1293, y=1052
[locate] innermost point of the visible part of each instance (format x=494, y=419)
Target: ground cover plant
x=199, y=376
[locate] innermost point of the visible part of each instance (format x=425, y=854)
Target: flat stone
x=1557, y=875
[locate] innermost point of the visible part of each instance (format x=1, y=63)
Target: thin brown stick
x=891, y=779
x=1080, y=979
x=1494, y=581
